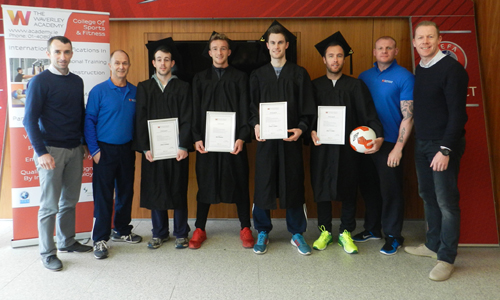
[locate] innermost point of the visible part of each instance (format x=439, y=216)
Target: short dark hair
x=428, y=23
x=276, y=29
x=61, y=39
x=119, y=50
x=219, y=37
x=19, y=69
x=165, y=49
x=332, y=44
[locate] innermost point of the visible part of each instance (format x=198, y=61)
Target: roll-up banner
x=26, y=31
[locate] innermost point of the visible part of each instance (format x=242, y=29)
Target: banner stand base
x=33, y=242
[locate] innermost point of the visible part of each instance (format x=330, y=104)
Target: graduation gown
x=164, y=182
x=222, y=177
x=279, y=169
x=334, y=168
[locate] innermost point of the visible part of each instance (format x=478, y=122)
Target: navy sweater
x=55, y=111
x=439, y=96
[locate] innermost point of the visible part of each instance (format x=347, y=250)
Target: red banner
x=174, y=9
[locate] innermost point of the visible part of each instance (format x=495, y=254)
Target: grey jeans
x=60, y=194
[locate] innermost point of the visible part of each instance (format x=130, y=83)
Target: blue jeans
x=296, y=219
x=159, y=218
x=439, y=190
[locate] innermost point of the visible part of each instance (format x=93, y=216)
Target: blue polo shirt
x=110, y=115
x=388, y=88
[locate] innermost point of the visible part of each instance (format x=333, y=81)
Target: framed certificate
x=163, y=138
x=273, y=120
x=331, y=125
x=220, y=131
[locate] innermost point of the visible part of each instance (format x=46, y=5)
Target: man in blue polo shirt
x=109, y=128
x=391, y=87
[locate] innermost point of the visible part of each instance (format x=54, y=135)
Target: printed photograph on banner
x=18, y=95
x=23, y=69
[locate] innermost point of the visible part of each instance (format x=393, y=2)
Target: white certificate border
x=225, y=114
x=284, y=107
x=327, y=141
x=156, y=121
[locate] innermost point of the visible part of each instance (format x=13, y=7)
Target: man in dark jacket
x=335, y=167
x=440, y=96
x=164, y=182
x=279, y=170
x=222, y=176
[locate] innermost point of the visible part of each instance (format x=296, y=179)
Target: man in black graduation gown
x=164, y=182
x=279, y=170
x=334, y=168
x=222, y=176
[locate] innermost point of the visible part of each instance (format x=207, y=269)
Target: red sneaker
x=247, y=238
x=199, y=236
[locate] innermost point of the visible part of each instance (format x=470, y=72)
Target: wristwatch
x=445, y=151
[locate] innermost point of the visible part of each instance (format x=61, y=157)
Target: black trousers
x=242, y=207
x=113, y=173
x=382, y=189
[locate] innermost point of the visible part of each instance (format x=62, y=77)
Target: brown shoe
x=247, y=238
x=421, y=250
x=442, y=271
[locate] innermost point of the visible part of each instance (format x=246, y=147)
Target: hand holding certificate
x=220, y=131
x=273, y=120
x=163, y=138
x=331, y=125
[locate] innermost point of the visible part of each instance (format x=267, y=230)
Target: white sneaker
x=421, y=250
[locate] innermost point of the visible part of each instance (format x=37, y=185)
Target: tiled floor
x=222, y=269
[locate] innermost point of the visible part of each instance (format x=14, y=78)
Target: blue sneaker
x=299, y=242
x=391, y=245
x=365, y=236
x=261, y=246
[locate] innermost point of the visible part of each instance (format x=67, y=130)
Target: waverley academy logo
x=455, y=51
x=18, y=16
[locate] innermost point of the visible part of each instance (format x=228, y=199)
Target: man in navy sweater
x=439, y=96
x=53, y=119
x=109, y=129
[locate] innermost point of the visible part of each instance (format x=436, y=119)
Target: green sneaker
x=324, y=239
x=346, y=242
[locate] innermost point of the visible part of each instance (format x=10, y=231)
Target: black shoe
x=76, y=247
x=129, y=238
x=366, y=236
x=101, y=249
x=391, y=245
x=52, y=263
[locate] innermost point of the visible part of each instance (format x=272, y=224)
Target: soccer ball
x=360, y=137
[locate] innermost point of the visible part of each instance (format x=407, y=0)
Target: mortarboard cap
x=289, y=36
x=169, y=42
x=337, y=38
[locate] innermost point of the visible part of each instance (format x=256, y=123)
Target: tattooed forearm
x=407, y=109
x=402, y=135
